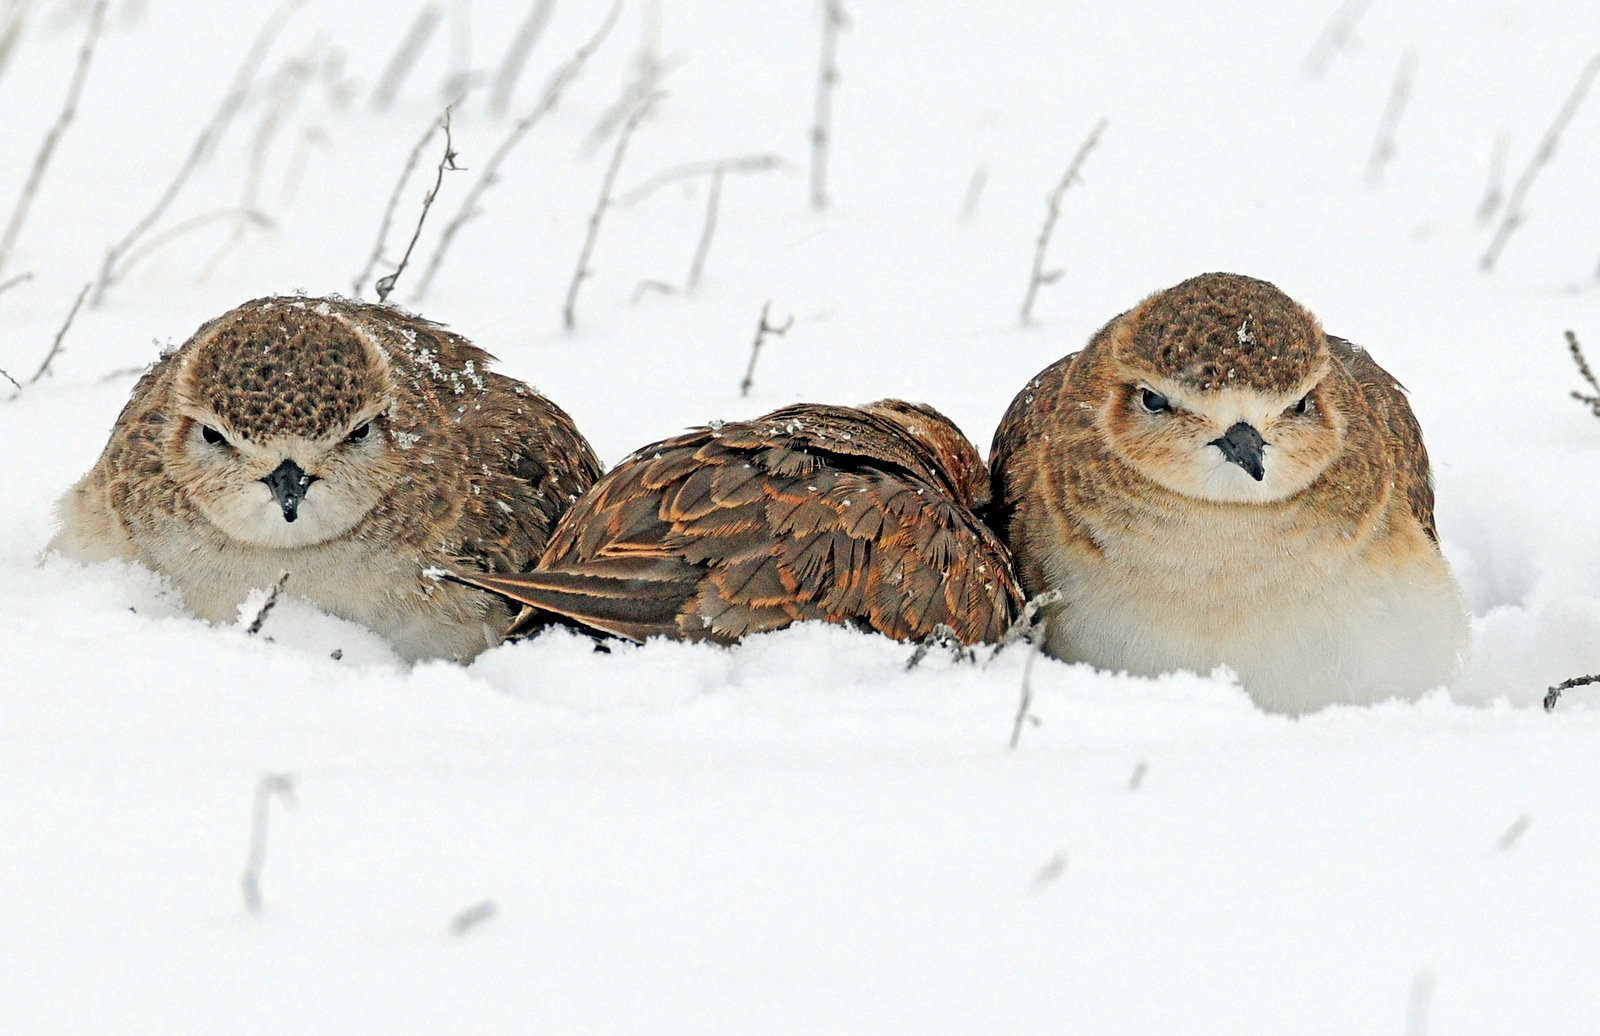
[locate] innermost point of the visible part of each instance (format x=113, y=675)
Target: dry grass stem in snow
x=21, y=278
x=388, y=210
x=267, y=605
x=281, y=786
x=405, y=56
x=975, y=186
x=385, y=285
x=11, y=25
x=1513, y=217
x=1592, y=402
x=522, y=44
x=1337, y=35
x=717, y=170
x=69, y=109
x=112, y=269
x=580, y=273
x=55, y=346
x=472, y=917
x=1052, y=212
x=763, y=329
x=1025, y=702
x=487, y=174
x=1494, y=192
x=1399, y=94
x=833, y=20
x=1554, y=694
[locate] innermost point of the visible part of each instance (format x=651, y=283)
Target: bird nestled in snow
x=354, y=447
x=1214, y=480
x=851, y=515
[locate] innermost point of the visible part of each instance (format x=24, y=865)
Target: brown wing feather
x=806, y=513
x=1387, y=397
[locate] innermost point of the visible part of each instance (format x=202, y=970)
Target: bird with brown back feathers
x=812, y=512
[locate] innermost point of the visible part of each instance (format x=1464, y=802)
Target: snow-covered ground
x=797, y=834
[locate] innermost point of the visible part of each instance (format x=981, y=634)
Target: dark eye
x=212, y=436
x=360, y=433
x=1303, y=407
x=1153, y=401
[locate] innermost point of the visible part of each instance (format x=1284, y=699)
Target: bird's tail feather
x=621, y=597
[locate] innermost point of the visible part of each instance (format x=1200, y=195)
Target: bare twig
x=111, y=270
x=487, y=174
x=975, y=185
x=527, y=37
x=943, y=636
x=650, y=71
x=17, y=384
x=1026, y=701
x=472, y=917
x=11, y=25
x=1494, y=192
x=690, y=170
x=1050, y=873
x=1137, y=777
x=1399, y=94
x=1052, y=211
x=1338, y=34
x=268, y=604
x=281, y=786
x=461, y=77
x=833, y=20
x=1592, y=402
x=388, y=210
x=21, y=278
x=55, y=347
x=69, y=109
x=707, y=231
x=1554, y=694
x=1513, y=215
x=385, y=285
x=405, y=56
x=1509, y=837
x=762, y=331
x=582, y=271
x=188, y=226
x=1029, y=620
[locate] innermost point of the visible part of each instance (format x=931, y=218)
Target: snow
x=798, y=834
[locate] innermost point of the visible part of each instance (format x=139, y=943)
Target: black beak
x=1242, y=445
x=288, y=484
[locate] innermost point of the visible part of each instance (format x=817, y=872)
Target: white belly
x=1302, y=628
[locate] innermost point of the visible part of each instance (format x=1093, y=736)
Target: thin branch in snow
x=1419, y=1002
x=1513, y=216
x=690, y=170
x=7, y=375
x=1338, y=34
x=268, y=604
x=762, y=331
x=11, y=25
x=188, y=226
x=1592, y=402
x=385, y=285
x=461, y=77
x=650, y=71
x=1050, y=873
x=1025, y=703
x=1509, y=837
x=581, y=272
x=833, y=20
x=21, y=278
x=1494, y=192
x=69, y=109
x=487, y=174
x=472, y=917
x=1052, y=211
x=707, y=231
x=942, y=636
x=1027, y=621
x=975, y=186
x=1554, y=694
x=527, y=37
x=55, y=347
x=112, y=269
x=388, y=210
x=405, y=56
x=1383, y=147
x=281, y=786
x=1137, y=778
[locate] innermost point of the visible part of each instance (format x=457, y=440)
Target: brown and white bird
x=1214, y=480
x=851, y=515
x=353, y=446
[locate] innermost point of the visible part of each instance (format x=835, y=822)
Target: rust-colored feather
x=851, y=515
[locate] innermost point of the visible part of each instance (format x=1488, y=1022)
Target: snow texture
x=798, y=834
